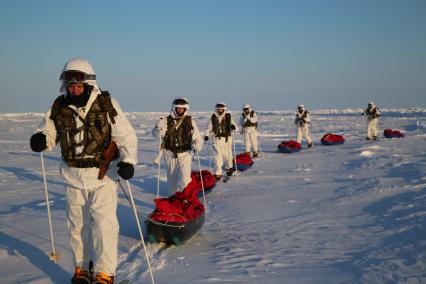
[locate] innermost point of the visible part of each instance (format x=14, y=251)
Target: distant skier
x=372, y=113
x=221, y=125
x=248, y=123
x=179, y=136
x=84, y=120
x=302, y=121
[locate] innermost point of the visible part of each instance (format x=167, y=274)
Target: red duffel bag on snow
x=208, y=180
x=244, y=161
x=180, y=207
x=389, y=133
x=330, y=139
x=289, y=146
x=176, y=218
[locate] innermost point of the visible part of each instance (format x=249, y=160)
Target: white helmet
x=221, y=105
x=246, y=106
x=77, y=71
x=180, y=102
x=301, y=106
x=371, y=104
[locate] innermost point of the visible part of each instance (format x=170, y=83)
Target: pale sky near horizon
x=270, y=53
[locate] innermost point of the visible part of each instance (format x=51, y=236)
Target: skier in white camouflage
x=372, y=113
x=301, y=122
x=84, y=120
x=248, y=123
x=220, y=127
x=179, y=136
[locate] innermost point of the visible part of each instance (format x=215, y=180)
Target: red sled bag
x=389, y=133
x=244, y=161
x=209, y=181
x=330, y=139
x=180, y=207
x=177, y=218
x=289, y=146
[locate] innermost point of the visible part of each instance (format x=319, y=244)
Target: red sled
x=244, y=161
x=331, y=139
x=209, y=180
x=289, y=146
x=176, y=218
x=389, y=133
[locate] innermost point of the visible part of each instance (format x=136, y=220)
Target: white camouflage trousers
x=372, y=128
x=93, y=226
x=222, y=154
x=250, y=139
x=303, y=131
x=178, y=170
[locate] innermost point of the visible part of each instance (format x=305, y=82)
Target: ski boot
x=217, y=177
x=310, y=145
x=368, y=138
x=374, y=137
x=81, y=277
x=255, y=154
x=102, y=278
x=229, y=172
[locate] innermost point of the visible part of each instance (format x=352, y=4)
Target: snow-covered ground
x=353, y=213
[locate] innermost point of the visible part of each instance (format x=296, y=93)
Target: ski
x=162, y=248
x=158, y=249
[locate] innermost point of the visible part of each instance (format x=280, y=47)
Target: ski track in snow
x=353, y=213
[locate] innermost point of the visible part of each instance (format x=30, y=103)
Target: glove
x=38, y=142
x=206, y=138
x=232, y=127
x=125, y=170
x=196, y=149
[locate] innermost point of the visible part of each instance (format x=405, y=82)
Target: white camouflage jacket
x=122, y=133
x=209, y=129
x=160, y=130
x=302, y=119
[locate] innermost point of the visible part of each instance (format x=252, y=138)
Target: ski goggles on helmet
x=76, y=76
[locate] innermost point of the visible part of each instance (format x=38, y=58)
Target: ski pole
x=158, y=159
x=210, y=157
x=202, y=182
x=53, y=256
x=128, y=198
x=140, y=230
x=235, y=157
x=260, y=149
x=158, y=179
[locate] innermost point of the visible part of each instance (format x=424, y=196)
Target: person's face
x=220, y=110
x=76, y=89
x=180, y=111
x=246, y=110
x=300, y=109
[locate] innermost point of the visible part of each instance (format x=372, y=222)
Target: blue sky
x=272, y=54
